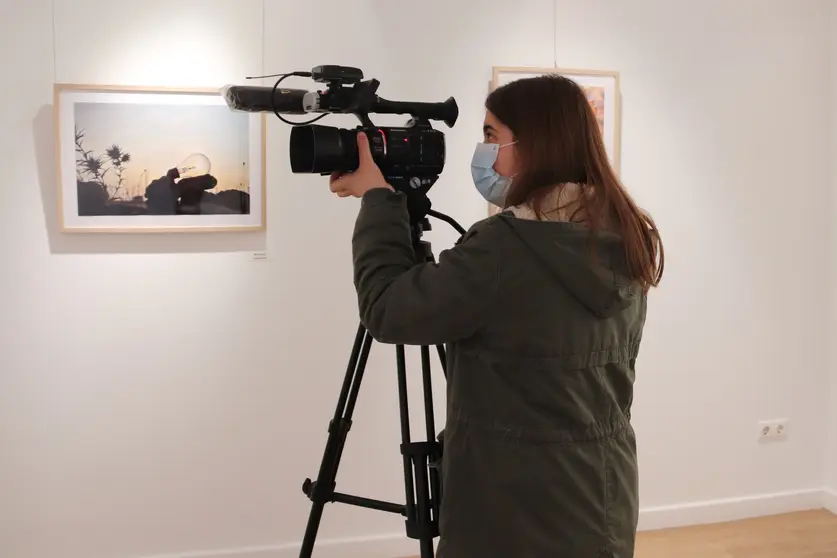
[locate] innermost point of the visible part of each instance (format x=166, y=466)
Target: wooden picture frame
x=116, y=148
x=603, y=91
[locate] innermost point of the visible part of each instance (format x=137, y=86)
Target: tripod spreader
x=419, y=452
x=326, y=496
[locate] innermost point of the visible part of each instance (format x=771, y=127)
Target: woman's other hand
x=367, y=176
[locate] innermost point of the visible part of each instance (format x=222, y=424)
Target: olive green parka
x=542, y=337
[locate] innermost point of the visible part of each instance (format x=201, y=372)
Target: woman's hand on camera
x=367, y=176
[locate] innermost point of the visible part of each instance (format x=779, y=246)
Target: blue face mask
x=488, y=181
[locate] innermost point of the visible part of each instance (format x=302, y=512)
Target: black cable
x=449, y=220
x=273, y=97
x=273, y=101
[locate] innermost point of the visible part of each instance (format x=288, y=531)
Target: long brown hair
x=558, y=143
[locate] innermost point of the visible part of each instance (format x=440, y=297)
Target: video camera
x=411, y=157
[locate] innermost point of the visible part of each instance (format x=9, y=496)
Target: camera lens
x=322, y=149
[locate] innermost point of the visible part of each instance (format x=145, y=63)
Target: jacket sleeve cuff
x=377, y=196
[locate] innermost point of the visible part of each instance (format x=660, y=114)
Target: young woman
x=542, y=307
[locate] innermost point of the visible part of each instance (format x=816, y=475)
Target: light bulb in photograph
x=196, y=164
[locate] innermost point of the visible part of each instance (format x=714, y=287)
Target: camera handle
x=421, y=460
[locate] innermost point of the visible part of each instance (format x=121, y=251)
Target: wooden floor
x=799, y=535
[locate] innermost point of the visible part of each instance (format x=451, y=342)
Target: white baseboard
x=733, y=509
x=830, y=500
x=397, y=545
x=382, y=546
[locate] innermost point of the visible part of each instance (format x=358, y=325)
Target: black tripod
x=422, y=481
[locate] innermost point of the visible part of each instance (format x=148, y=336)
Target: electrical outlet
x=773, y=430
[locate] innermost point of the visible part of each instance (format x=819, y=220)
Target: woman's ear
x=508, y=161
x=515, y=160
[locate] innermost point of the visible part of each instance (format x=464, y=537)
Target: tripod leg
x=434, y=456
x=428, y=393
x=322, y=491
x=404, y=406
x=442, y=358
x=421, y=481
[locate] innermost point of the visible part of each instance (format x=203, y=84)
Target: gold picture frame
x=604, y=93
x=116, y=146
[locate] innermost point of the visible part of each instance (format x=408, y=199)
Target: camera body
x=415, y=150
x=411, y=157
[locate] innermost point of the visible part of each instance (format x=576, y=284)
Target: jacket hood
x=596, y=278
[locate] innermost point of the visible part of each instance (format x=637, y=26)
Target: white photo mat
x=67, y=96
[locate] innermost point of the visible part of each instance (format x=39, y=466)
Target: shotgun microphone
x=254, y=98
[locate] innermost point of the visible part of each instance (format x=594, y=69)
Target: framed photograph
x=156, y=160
x=602, y=89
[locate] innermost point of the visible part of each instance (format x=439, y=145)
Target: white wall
x=723, y=127
x=168, y=395
x=831, y=462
